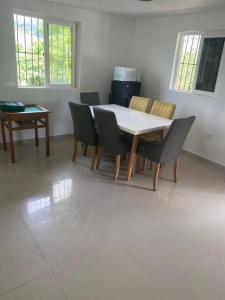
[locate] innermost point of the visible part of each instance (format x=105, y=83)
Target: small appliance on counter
x=126, y=83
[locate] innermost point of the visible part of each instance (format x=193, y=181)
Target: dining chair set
x=97, y=126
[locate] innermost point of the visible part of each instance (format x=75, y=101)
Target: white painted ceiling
x=156, y=7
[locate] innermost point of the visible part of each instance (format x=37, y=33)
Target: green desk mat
x=32, y=108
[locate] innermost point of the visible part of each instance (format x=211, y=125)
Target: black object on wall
x=122, y=91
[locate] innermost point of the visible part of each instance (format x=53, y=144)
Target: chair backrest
x=90, y=98
x=83, y=123
x=140, y=104
x=163, y=109
x=173, y=142
x=107, y=128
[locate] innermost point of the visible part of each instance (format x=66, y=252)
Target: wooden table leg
x=94, y=155
x=117, y=168
x=3, y=136
x=98, y=159
x=47, y=136
x=11, y=143
x=36, y=133
x=75, y=143
x=132, y=156
x=175, y=170
x=156, y=176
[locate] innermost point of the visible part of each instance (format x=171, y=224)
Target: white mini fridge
x=126, y=74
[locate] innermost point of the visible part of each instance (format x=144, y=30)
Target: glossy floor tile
x=69, y=233
x=20, y=259
x=108, y=273
x=44, y=287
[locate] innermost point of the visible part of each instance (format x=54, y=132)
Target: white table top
x=136, y=122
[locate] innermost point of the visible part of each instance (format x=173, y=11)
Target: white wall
x=154, y=48
x=99, y=37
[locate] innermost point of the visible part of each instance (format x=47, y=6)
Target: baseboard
x=52, y=137
x=211, y=162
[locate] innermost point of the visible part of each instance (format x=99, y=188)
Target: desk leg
x=132, y=156
x=3, y=136
x=11, y=143
x=47, y=136
x=36, y=133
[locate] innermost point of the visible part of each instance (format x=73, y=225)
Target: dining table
x=135, y=123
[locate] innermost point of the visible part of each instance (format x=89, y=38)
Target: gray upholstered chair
x=84, y=129
x=169, y=148
x=90, y=98
x=109, y=137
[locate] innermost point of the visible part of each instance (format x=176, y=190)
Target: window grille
x=188, y=62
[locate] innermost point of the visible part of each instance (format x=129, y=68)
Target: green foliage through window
x=32, y=70
x=60, y=54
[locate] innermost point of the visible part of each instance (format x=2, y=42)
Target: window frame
x=177, y=59
x=46, y=21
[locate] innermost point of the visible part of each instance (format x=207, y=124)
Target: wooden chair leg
x=134, y=166
x=139, y=162
x=175, y=170
x=47, y=136
x=36, y=133
x=117, y=168
x=98, y=160
x=145, y=164
x=93, y=159
x=75, y=143
x=11, y=142
x=123, y=157
x=155, y=176
x=132, y=156
x=3, y=136
x=85, y=150
x=151, y=165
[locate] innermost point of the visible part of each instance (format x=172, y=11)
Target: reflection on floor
x=69, y=233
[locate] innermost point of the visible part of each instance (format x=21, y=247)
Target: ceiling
x=156, y=7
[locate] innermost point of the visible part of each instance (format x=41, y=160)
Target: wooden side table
x=34, y=117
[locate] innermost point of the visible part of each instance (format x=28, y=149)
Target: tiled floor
x=69, y=233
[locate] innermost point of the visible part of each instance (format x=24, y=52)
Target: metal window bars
x=188, y=61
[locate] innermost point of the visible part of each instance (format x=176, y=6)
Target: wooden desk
x=136, y=123
x=33, y=117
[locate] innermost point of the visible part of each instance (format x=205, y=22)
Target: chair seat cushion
x=89, y=141
x=151, y=136
x=149, y=150
x=124, y=145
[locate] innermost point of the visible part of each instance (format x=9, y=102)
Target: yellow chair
x=161, y=109
x=140, y=104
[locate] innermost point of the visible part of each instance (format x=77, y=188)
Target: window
x=212, y=50
x=45, y=52
x=60, y=53
x=197, y=62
